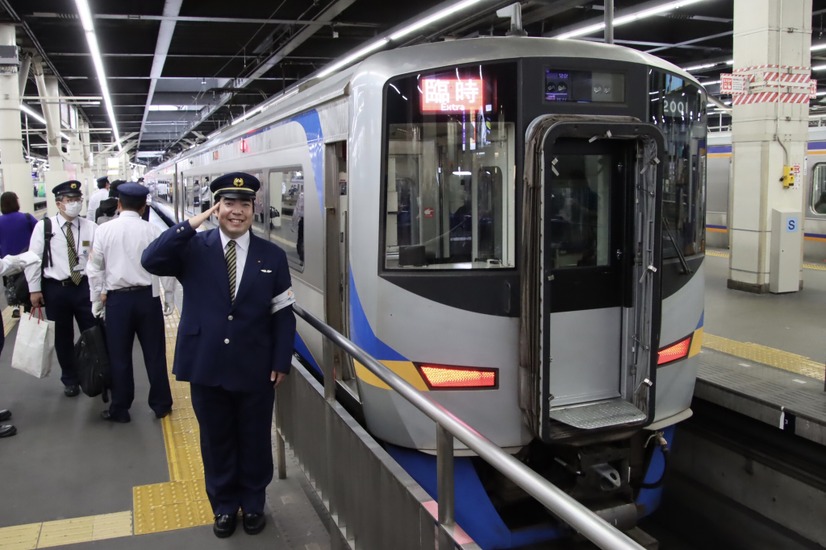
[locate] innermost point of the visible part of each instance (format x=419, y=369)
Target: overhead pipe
x=609, y=21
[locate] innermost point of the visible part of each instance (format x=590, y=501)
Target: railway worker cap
x=69, y=188
x=103, y=181
x=132, y=190
x=235, y=185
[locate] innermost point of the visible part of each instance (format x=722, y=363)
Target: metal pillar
x=772, y=39
x=15, y=172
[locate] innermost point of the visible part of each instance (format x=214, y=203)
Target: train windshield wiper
x=686, y=269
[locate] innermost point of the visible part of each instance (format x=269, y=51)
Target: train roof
x=422, y=57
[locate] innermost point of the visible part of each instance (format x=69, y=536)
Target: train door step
x=602, y=414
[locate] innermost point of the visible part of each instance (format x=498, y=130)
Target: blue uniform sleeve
x=283, y=322
x=165, y=256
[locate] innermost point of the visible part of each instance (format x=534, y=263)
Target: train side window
x=283, y=212
x=817, y=200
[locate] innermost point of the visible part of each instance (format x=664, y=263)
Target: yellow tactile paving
x=806, y=265
x=8, y=321
x=20, y=537
x=91, y=528
x=768, y=356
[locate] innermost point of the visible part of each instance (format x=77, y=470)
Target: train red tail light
x=674, y=352
x=442, y=377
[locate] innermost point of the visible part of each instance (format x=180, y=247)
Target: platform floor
x=71, y=479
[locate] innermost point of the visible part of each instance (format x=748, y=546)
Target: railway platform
x=71, y=480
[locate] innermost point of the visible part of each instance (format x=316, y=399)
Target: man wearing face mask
x=60, y=283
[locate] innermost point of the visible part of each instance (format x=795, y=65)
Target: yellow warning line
x=765, y=355
x=725, y=254
x=177, y=504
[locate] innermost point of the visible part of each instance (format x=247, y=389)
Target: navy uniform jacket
x=220, y=344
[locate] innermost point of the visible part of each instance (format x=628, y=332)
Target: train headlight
x=443, y=377
x=674, y=352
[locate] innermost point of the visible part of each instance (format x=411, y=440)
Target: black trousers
x=130, y=314
x=236, y=446
x=65, y=304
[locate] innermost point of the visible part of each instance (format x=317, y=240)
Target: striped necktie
x=75, y=275
x=230, y=257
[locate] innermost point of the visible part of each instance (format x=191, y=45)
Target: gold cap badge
x=238, y=182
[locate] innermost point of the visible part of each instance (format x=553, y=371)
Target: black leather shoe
x=107, y=415
x=5, y=414
x=224, y=525
x=163, y=413
x=71, y=390
x=254, y=523
x=7, y=430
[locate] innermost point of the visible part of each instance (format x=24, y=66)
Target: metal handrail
x=585, y=521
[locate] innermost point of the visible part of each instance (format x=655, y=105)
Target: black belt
x=128, y=289
x=65, y=282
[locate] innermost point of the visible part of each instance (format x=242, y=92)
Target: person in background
x=96, y=197
x=131, y=299
x=298, y=223
x=15, y=231
x=234, y=346
x=9, y=265
x=820, y=205
x=108, y=208
x=61, y=284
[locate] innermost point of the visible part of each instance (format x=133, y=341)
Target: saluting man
x=131, y=298
x=62, y=285
x=235, y=342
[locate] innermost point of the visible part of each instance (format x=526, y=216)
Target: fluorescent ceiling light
x=171, y=108
x=631, y=17
x=358, y=54
x=149, y=154
x=698, y=67
x=425, y=21
x=819, y=68
x=92, y=41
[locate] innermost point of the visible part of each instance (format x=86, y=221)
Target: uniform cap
x=69, y=188
x=235, y=185
x=102, y=179
x=132, y=189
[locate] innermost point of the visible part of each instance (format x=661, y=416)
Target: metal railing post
x=445, y=485
x=280, y=454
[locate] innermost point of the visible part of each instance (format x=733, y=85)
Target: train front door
x=593, y=188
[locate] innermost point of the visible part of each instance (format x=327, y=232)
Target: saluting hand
x=196, y=221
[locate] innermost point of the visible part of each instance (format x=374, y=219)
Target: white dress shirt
x=94, y=203
x=242, y=247
x=115, y=262
x=83, y=232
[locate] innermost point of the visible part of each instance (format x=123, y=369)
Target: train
x=514, y=225
x=814, y=193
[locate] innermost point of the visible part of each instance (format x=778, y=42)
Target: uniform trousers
x=128, y=314
x=66, y=303
x=236, y=446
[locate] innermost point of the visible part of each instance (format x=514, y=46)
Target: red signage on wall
x=444, y=95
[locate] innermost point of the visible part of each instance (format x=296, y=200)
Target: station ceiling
x=177, y=70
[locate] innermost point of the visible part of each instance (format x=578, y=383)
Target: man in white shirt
x=94, y=200
x=131, y=298
x=61, y=284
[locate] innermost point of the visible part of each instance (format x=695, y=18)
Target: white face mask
x=72, y=209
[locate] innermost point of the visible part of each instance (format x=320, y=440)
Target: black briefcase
x=92, y=362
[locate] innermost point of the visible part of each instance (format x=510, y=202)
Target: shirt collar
x=242, y=242
x=61, y=221
x=129, y=214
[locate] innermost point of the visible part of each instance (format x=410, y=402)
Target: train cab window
x=677, y=107
x=449, y=169
x=818, y=197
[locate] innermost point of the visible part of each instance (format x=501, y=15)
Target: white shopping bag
x=34, y=346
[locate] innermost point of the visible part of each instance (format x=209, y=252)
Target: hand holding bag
x=34, y=346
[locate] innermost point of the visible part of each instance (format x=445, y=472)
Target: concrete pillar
x=15, y=172
x=772, y=39
x=58, y=165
